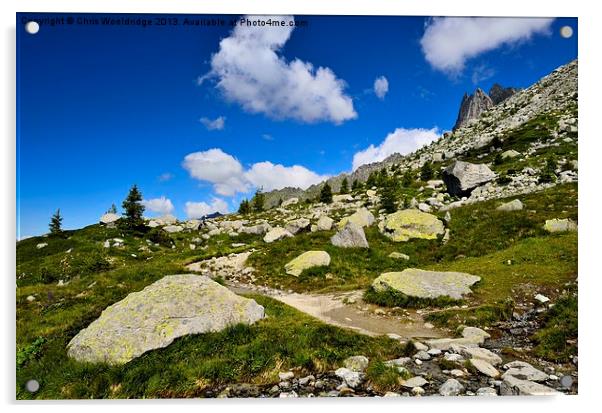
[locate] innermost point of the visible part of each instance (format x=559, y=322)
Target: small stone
x=457, y=373
x=31, y=298
x=451, y=387
x=392, y=394
x=422, y=355
x=399, y=256
x=420, y=346
x=486, y=391
x=418, y=391
x=485, y=368
x=286, y=375
x=351, y=378
x=542, y=298
x=417, y=381
x=41, y=245
x=356, y=363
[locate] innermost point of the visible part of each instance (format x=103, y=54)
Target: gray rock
x=276, y=234
x=451, y=387
x=477, y=353
x=524, y=371
x=513, y=386
x=289, y=202
x=350, y=377
x=472, y=107
x=286, y=375
x=362, y=217
x=258, y=229
x=356, y=363
x=173, y=228
x=462, y=177
x=485, y=368
x=41, y=245
x=417, y=381
x=426, y=284
x=486, y=391
x=514, y=205
x=509, y=154
x=298, y=225
x=172, y=307
x=351, y=236
x=324, y=223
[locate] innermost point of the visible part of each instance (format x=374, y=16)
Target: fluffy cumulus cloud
x=228, y=176
x=381, y=87
x=269, y=176
x=214, y=124
x=448, y=42
x=200, y=209
x=159, y=205
x=249, y=70
x=224, y=171
x=402, y=141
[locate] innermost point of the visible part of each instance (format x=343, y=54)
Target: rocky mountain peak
x=472, y=106
x=498, y=93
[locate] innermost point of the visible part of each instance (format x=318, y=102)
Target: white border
x=590, y=188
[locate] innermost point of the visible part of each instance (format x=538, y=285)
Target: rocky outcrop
x=417, y=283
x=472, y=107
x=174, y=306
x=462, y=177
x=498, y=93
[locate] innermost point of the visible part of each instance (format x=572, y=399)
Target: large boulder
x=174, y=306
x=462, y=177
x=324, y=223
x=411, y=223
x=276, y=234
x=298, y=225
x=426, y=284
x=256, y=229
x=307, y=260
x=173, y=228
x=361, y=217
x=514, y=205
x=351, y=236
x=109, y=218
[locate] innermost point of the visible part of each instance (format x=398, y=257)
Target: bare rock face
x=472, y=107
x=462, y=177
x=174, y=306
x=498, y=93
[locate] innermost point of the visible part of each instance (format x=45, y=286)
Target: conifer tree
x=355, y=185
x=388, y=200
x=133, y=208
x=245, y=207
x=326, y=194
x=259, y=201
x=56, y=223
x=426, y=172
x=112, y=210
x=344, y=186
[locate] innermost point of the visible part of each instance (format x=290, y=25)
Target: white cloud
x=200, y=209
x=215, y=124
x=228, y=176
x=219, y=168
x=448, y=42
x=269, y=176
x=159, y=205
x=381, y=87
x=402, y=141
x=481, y=73
x=248, y=70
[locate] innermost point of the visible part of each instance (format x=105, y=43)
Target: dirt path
x=347, y=310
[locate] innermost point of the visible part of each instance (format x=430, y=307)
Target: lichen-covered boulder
x=174, y=306
x=426, y=284
x=560, y=225
x=173, y=228
x=307, y=260
x=361, y=217
x=276, y=234
x=514, y=205
x=352, y=236
x=411, y=223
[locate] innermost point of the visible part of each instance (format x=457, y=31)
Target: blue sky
x=198, y=117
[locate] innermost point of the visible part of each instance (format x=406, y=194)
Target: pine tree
x=407, y=179
x=112, y=210
x=344, y=186
x=56, y=223
x=426, y=172
x=356, y=185
x=259, y=201
x=245, y=207
x=326, y=194
x=388, y=200
x=132, y=205
x=371, y=181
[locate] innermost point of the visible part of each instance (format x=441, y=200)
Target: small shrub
x=29, y=352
